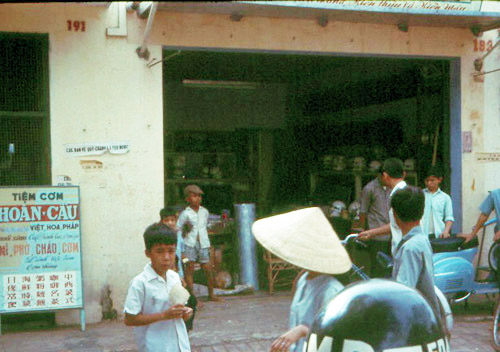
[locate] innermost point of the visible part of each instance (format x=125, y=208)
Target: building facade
x=99, y=90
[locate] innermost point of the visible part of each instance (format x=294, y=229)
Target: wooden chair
x=275, y=266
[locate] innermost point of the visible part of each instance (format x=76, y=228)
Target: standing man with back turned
x=393, y=176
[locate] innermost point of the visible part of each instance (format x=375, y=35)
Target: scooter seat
x=452, y=244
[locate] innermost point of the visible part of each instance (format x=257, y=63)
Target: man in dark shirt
x=375, y=204
x=374, y=213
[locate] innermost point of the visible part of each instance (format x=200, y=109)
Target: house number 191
x=76, y=26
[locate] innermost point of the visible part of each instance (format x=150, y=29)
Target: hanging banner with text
x=40, y=249
x=435, y=7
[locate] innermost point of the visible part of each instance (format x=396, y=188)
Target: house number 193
x=482, y=45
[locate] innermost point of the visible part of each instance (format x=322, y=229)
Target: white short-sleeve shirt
x=148, y=293
x=438, y=210
x=396, y=233
x=199, y=222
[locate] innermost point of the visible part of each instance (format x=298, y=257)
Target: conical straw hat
x=304, y=238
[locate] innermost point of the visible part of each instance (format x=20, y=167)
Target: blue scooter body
x=454, y=271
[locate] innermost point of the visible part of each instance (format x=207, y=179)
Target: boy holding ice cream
x=155, y=303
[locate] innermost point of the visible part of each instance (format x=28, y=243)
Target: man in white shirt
x=393, y=177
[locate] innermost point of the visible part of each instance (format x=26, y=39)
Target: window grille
x=24, y=109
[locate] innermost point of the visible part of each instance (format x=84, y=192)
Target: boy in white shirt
x=196, y=244
x=159, y=324
x=438, y=213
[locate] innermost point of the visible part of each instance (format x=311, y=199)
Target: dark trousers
x=376, y=246
x=191, y=303
x=366, y=257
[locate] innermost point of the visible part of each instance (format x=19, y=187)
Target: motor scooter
x=386, y=262
x=454, y=271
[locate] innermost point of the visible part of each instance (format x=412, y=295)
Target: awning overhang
x=347, y=11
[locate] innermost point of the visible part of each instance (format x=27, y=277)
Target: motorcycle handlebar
x=354, y=237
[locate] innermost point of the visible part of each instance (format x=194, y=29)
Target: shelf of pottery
x=356, y=171
x=199, y=167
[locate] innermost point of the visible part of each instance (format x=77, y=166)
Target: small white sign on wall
x=466, y=142
x=63, y=180
x=85, y=149
x=487, y=157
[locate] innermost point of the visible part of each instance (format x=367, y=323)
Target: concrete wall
x=101, y=91
x=491, y=130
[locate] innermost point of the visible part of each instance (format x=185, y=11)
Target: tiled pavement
x=239, y=324
x=468, y=336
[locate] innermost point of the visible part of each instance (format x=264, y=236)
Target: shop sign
x=40, y=249
x=487, y=157
x=410, y=6
x=85, y=149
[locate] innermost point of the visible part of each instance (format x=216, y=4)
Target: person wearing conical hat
x=305, y=239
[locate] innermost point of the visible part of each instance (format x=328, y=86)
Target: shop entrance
x=24, y=131
x=291, y=130
x=24, y=110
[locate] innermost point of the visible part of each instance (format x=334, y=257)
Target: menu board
x=40, y=249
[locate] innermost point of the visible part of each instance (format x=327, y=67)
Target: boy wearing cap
x=196, y=246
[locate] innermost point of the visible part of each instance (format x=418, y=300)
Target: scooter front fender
x=467, y=254
x=453, y=275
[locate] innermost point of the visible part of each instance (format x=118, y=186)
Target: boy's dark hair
x=168, y=211
x=159, y=234
x=393, y=167
x=434, y=171
x=408, y=203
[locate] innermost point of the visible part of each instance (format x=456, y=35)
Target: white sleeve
x=135, y=298
x=181, y=220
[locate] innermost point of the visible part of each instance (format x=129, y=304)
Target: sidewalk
x=239, y=324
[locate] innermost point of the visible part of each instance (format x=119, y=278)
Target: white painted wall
x=101, y=91
x=491, y=128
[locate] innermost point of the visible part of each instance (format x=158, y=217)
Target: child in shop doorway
x=196, y=247
x=438, y=213
x=168, y=217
